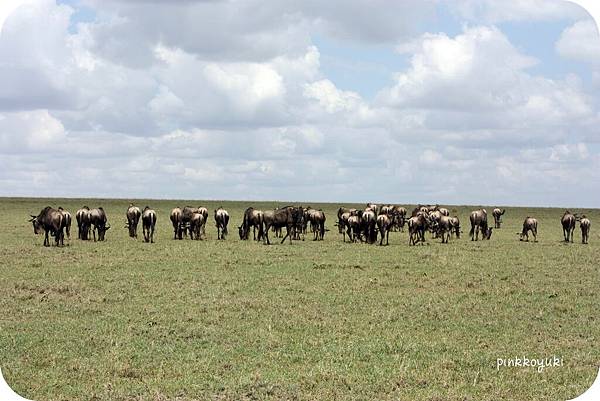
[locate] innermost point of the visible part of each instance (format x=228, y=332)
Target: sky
x=480, y=102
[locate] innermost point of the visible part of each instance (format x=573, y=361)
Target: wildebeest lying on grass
x=148, y=223
x=530, y=224
x=133, y=218
x=568, y=221
x=585, y=225
x=52, y=221
x=83, y=223
x=99, y=223
x=221, y=222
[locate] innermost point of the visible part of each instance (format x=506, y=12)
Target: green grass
x=125, y=320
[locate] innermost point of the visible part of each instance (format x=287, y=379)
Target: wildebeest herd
x=355, y=225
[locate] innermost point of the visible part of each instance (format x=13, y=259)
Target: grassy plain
x=237, y=320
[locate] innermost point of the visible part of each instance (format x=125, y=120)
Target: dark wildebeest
x=399, y=217
x=384, y=224
x=51, y=221
x=195, y=224
x=354, y=226
x=479, y=221
x=530, y=224
x=434, y=219
x=417, y=225
x=221, y=221
x=568, y=221
x=585, y=224
x=83, y=223
x=148, y=223
x=133, y=215
x=252, y=218
x=68, y=220
x=287, y=217
x=455, y=226
x=341, y=223
x=185, y=224
x=317, y=223
x=497, y=213
x=176, y=221
x=445, y=227
x=99, y=222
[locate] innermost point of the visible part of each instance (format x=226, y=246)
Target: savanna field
x=237, y=320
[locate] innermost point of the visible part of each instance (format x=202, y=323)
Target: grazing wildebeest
x=530, y=224
x=317, y=223
x=455, y=226
x=83, y=223
x=221, y=221
x=479, y=222
x=67, y=221
x=497, y=213
x=445, y=226
x=176, y=221
x=585, y=224
x=252, y=218
x=99, y=223
x=287, y=217
x=133, y=215
x=148, y=223
x=568, y=221
x=195, y=224
x=51, y=221
x=384, y=224
x=417, y=225
x=399, y=217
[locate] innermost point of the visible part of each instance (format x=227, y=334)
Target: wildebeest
x=316, y=219
x=443, y=211
x=148, y=223
x=417, y=225
x=384, y=224
x=369, y=223
x=354, y=227
x=374, y=207
x=221, y=221
x=497, y=213
x=479, y=221
x=133, y=215
x=585, y=224
x=83, y=223
x=434, y=219
x=99, y=223
x=252, y=218
x=287, y=217
x=530, y=224
x=568, y=221
x=204, y=212
x=399, y=217
x=51, y=221
x=455, y=226
x=185, y=225
x=195, y=224
x=67, y=221
x=341, y=222
x=175, y=218
x=445, y=226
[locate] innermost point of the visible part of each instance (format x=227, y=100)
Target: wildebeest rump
x=83, y=223
x=175, y=218
x=68, y=220
x=148, y=223
x=529, y=225
x=497, y=213
x=479, y=222
x=133, y=215
x=51, y=221
x=221, y=221
x=252, y=218
x=99, y=223
x=568, y=221
x=585, y=225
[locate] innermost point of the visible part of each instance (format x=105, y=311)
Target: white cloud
x=495, y=11
x=581, y=42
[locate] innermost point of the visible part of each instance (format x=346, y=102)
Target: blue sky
x=297, y=100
